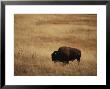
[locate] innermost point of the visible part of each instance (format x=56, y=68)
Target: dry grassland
x=36, y=36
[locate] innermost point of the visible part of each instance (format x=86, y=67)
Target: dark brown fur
x=66, y=54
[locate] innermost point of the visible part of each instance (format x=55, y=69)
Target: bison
x=66, y=54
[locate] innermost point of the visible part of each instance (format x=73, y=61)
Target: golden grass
x=36, y=36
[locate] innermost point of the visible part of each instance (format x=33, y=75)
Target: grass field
x=36, y=36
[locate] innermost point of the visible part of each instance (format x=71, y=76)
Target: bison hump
x=69, y=50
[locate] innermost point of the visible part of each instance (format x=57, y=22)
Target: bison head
x=56, y=56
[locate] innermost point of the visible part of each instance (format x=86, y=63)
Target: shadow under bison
x=66, y=54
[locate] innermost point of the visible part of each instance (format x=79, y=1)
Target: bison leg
x=66, y=62
x=54, y=61
x=78, y=59
x=72, y=60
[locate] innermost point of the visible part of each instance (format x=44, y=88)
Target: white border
x=100, y=79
